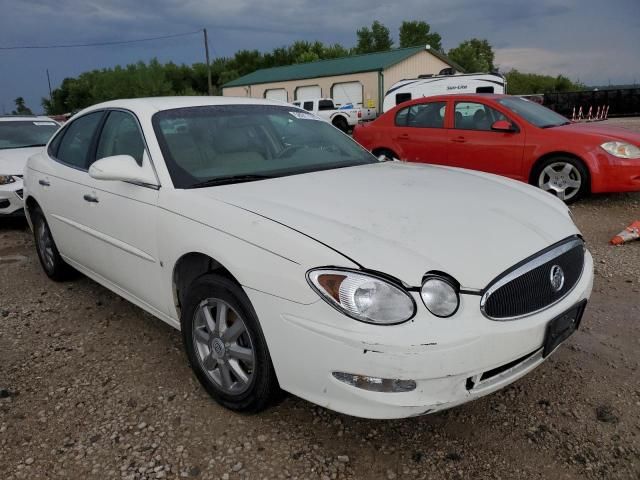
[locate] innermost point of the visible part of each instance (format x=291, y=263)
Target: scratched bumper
x=309, y=342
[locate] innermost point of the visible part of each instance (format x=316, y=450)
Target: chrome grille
x=528, y=287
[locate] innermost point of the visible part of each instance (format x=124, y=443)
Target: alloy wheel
x=45, y=244
x=561, y=179
x=223, y=346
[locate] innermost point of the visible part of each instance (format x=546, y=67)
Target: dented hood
x=407, y=219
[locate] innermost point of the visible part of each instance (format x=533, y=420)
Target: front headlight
x=621, y=149
x=363, y=296
x=6, y=179
x=440, y=295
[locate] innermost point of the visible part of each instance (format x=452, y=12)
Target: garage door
x=278, y=94
x=308, y=92
x=347, y=92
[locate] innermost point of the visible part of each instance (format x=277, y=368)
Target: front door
x=124, y=224
x=474, y=145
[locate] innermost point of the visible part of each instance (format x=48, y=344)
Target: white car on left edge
x=20, y=137
x=290, y=257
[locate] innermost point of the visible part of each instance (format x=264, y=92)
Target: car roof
x=151, y=105
x=25, y=118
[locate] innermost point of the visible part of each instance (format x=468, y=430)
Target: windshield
x=211, y=145
x=21, y=133
x=534, y=113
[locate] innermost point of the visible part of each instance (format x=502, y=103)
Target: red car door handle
x=403, y=135
x=459, y=139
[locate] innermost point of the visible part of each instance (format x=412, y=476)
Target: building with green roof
x=360, y=80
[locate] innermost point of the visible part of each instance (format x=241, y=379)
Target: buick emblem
x=557, y=278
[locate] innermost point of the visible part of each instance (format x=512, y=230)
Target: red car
x=509, y=136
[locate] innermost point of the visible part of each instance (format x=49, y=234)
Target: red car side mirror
x=503, y=126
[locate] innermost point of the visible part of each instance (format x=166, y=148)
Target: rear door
x=474, y=145
x=62, y=190
x=420, y=134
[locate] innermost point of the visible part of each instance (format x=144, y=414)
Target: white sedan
x=290, y=257
x=20, y=137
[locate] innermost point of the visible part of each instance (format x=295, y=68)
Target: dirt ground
x=92, y=387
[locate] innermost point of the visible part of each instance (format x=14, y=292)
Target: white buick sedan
x=291, y=258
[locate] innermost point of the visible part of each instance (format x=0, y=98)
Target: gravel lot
x=93, y=387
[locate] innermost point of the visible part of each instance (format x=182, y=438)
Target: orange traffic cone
x=632, y=232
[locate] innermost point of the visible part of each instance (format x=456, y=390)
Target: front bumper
x=11, y=199
x=616, y=174
x=308, y=343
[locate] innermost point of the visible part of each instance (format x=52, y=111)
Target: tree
x=21, y=108
x=374, y=39
x=419, y=33
x=519, y=83
x=474, y=55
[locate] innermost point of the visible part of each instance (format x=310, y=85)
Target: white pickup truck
x=344, y=118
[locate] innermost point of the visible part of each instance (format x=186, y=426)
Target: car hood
x=606, y=132
x=13, y=160
x=407, y=219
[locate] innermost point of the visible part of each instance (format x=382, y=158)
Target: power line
x=100, y=44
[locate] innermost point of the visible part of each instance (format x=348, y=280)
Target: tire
x=341, y=124
x=52, y=263
x=565, y=177
x=230, y=360
x=387, y=153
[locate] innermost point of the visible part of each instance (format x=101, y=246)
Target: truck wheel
x=341, y=124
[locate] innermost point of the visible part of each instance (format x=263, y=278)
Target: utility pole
x=206, y=54
x=49, y=82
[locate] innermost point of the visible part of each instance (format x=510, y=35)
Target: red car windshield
x=533, y=113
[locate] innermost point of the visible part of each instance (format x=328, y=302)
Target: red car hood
x=605, y=131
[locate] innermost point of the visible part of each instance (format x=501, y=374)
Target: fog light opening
x=376, y=384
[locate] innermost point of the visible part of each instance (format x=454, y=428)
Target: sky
x=591, y=41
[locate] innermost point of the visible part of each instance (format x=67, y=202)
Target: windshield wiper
x=26, y=146
x=229, y=179
x=551, y=125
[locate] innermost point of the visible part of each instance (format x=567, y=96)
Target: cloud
x=579, y=38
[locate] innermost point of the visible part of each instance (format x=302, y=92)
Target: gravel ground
x=93, y=387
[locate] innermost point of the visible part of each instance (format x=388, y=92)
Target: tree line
x=154, y=78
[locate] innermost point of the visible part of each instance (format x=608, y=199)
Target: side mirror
x=503, y=126
x=123, y=168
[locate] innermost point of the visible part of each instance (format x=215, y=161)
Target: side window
x=402, y=97
x=325, y=105
x=401, y=117
x=308, y=106
x=427, y=115
x=484, y=90
x=74, y=146
x=475, y=116
x=120, y=136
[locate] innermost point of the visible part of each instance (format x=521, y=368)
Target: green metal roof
x=337, y=66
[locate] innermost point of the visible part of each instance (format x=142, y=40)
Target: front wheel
x=225, y=345
x=565, y=177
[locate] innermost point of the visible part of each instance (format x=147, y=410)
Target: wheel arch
x=559, y=153
x=30, y=204
x=189, y=267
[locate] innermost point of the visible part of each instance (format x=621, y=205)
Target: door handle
x=459, y=140
x=91, y=197
x=44, y=183
x=404, y=135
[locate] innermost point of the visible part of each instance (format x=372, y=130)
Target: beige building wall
x=422, y=63
x=369, y=82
